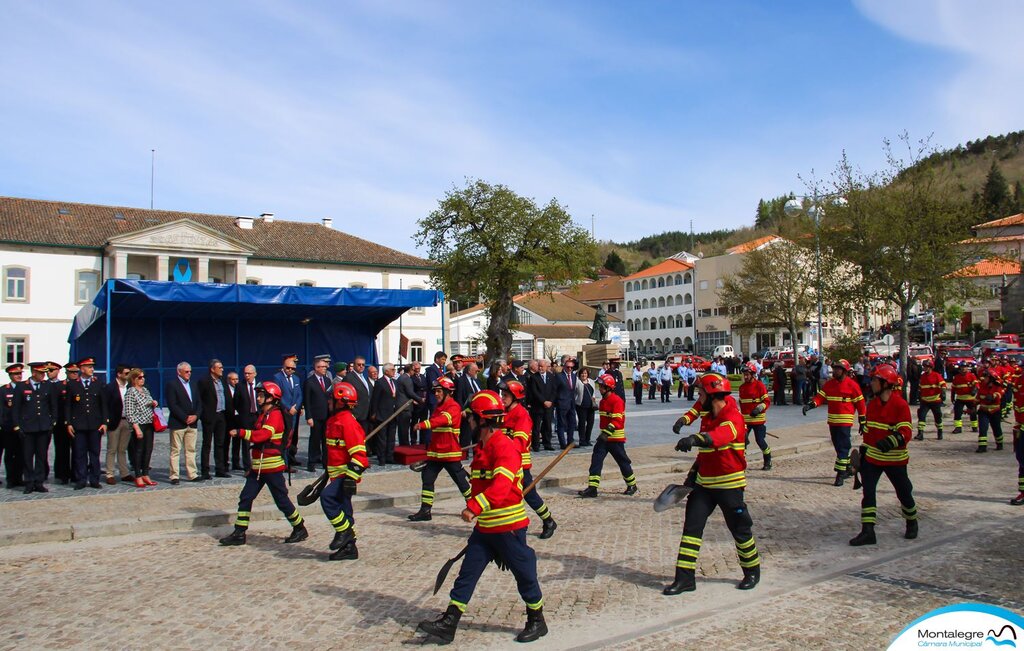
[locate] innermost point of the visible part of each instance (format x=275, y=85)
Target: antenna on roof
x=152, y=175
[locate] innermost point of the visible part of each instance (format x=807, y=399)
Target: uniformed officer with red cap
x=86, y=414
x=35, y=414
x=63, y=444
x=10, y=443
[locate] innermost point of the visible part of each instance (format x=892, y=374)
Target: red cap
x=87, y=361
x=15, y=368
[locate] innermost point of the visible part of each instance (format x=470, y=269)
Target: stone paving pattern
x=601, y=573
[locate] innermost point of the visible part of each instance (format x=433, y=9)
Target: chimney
x=327, y=222
x=244, y=223
x=268, y=217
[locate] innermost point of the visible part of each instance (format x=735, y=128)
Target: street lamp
x=815, y=210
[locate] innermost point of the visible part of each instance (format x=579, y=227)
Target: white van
x=723, y=352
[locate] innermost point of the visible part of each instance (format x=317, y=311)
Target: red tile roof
x=989, y=267
x=605, y=289
x=1012, y=220
x=671, y=265
x=752, y=245
x=90, y=226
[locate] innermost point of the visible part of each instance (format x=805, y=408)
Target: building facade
x=57, y=254
x=660, y=309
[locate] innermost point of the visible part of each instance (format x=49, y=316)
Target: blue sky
x=644, y=115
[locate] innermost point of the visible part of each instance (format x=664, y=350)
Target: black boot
x=342, y=538
x=444, y=626
x=767, y=462
x=298, y=534
x=549, y=528
x=589, y=491
x=686, y=581
x=982, y=448
x=911, y=530
x=958, y=429
x=346, y=553
x=751, y=577
x=422, y=515
x=1019, y=500
x=840, y=478
x=999, y=446
x=939, y=437
x=630, y=490
x=535, y=626
x=865, y=537
x=237, y=537
x=920, y=435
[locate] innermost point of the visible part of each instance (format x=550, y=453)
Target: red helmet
x=487, y=405
x=751, y=367
x=843, y=364
x=444, y=382
x=346, y=393
x=271, y=389
x=715, y=383
x=886, y=374
x=515, y=387
x=607, y=380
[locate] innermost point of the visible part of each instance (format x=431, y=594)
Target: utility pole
x=152, y=175
x=593, y=233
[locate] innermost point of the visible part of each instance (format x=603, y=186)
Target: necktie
x=322, y=385
x=35, y=385
x=392, y=385
x=571, y=384
x=87, y=383
x=252, y=398
x=544, y=378
x=473, y=384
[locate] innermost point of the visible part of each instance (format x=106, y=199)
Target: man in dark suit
x=383, y=403
x=248, y=411
x=317, y=400
x=10, y=443
x=232, y=412
x=433, y=372
x=184, y=405
x=355, y=377
x=213, y=394
x=466, y=386
x=541, y=394
x=86, y=415
x=565, y=395
x=407, y=392
x=63, y=462
x=291, y=404
x=35, y=414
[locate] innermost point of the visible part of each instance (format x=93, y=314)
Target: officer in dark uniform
x=620, y=383
x=10, y=444
x=63, y=468
x=86, y=414
x=35, y=414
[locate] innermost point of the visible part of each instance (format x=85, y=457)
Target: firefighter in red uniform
x=267, y=467
x=754, y=402
x=718, y=479
x=444, y=452
x=612, y=440
x=933, y=396
x=845, y=401
x=346, y=463
x=885, y=451
x=519, y=426
x=496, y=503
x=990, y=397
x=965, y=390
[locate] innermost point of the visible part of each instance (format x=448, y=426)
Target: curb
x=189, y=521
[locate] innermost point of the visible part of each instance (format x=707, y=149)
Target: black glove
x=809, y=406
x=888, y=444
x=691, y=479
x=758, y=410
x=348, y=485
x=863, y=426
x=678, y=426
x=687, y=443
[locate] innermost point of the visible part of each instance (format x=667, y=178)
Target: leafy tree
x=771, y=214
x=488, y=240
x=952, y=315
x=614, y=263
x=646, y=264
x=901, y=230
x=846, y=347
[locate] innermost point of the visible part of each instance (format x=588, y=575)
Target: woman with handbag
x=138, y=407
x=585, y=406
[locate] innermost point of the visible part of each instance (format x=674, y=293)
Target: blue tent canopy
x=156, y=324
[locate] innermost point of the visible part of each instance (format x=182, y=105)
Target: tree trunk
x=499, y=337
x=904, y=345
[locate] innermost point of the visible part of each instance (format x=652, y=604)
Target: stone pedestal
x=594, y=355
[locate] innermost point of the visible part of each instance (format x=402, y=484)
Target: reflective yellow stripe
x=482, y=501
x=899, y=454
x=840, y=419
x=457, y=455
x=733, y=480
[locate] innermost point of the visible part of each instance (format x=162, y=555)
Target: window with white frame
x=612, y=308
x=16, y=283
x=15, y=349
x=87, y=283
x=416, y=351
x=703, y=284
x=417, y=310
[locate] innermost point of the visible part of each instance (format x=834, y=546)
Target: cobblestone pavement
x=601, y=573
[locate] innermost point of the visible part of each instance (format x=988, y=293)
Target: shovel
x=672, y=495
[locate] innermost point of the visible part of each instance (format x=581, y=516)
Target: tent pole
x=110, y=294
x=238, y=347
x=444, y=337
x=160, y=356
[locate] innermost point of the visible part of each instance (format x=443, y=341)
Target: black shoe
x=981, y=448
x=95, y=484
x=1019, y=500
x=298, y=534
x=911, y=532
x=175, y=482
x=958, y=430
x=865, y=537
x=751, y=577
x=999, y=446
x=79, y=485
x=549, y=448
x=589, y=491
x=685, y=581
x=28, y=490
x=206, y=476
x=347, y=553
x=312, y=469
x=342, y=538
x=443, y=627
x=974, y=429
x=423, y=515
x=223, y=474
x=767, y=462
x=630, y=490
x=549, y=528
x=535, y=628
x=840, y=478
x=42, y=489
x=196, y=479
x=919, y=437
x=939, y=436
x=237, y=537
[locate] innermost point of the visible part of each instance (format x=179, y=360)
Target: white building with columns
x=55, y=255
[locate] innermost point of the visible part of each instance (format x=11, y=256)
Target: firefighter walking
x=519, y=426
x=718, y=480
x=496, y=503
x=885, y=452
x=990, y=398
x=933, y=396
x=612, y=440
x=346, y=462
x=965, y=391
x=845, y=402
x=754, y=403
x=444, y=451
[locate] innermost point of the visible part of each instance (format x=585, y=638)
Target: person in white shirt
x=666, y=382
x=654, y=380
x=638, y=382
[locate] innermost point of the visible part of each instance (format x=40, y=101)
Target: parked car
x=921, y=353
x=699, y=363
x=725, y=350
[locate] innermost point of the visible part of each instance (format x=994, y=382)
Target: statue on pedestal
x=599, y=331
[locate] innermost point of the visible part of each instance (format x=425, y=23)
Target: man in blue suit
x=291, y=403
x=565, y=392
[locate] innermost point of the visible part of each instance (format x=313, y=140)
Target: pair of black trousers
x=215, y=435
x=141, y=450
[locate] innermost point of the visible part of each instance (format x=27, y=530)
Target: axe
x=443, y=574
x=311, y=493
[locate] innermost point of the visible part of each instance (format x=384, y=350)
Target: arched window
x=688, y=343
x=643, y=285
x=679, y=279
x=661, y=301
x=687, y=278
x=629, y=286
x=661, y=282
x=645, y=325
x=668, y=301
x=661, y=323
x=677, y=342
x=688, y=321
x=679, y=321
x=646, y=304
x=687, y=300
x=16, y=283
x=679, y=299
